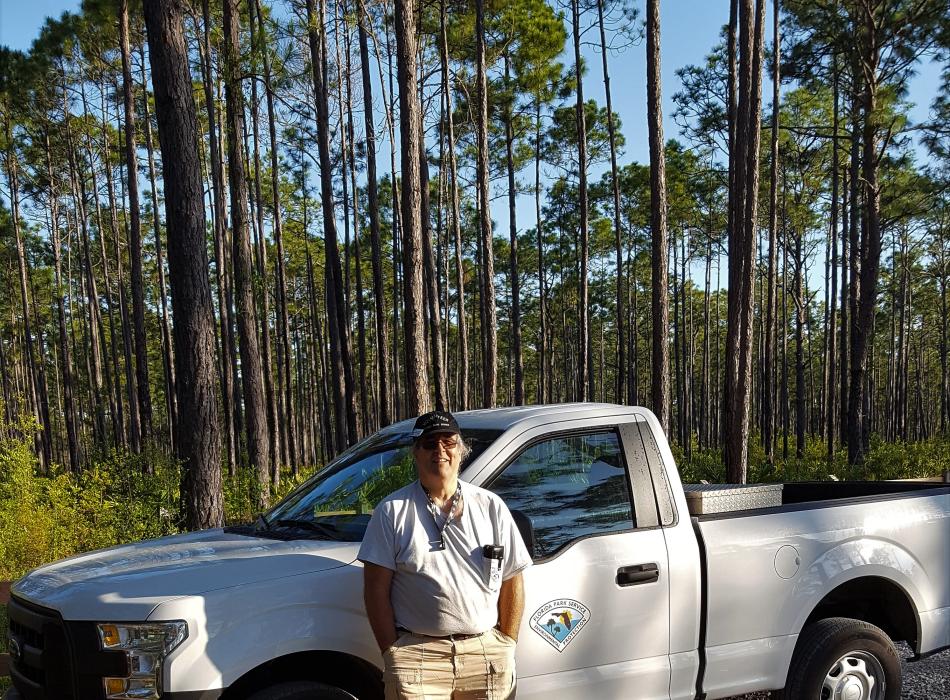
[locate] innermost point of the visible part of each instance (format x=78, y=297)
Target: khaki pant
x=426, y=668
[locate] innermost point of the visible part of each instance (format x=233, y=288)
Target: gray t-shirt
x=452, y=591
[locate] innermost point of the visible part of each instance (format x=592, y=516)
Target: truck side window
x=569, y=487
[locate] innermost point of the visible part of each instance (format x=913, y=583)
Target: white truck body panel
x=745, y=667
x=624, y=643
x=731, y=626
x=834, y=545
x=322, y=610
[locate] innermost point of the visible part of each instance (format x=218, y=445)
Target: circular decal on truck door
x=559, y=621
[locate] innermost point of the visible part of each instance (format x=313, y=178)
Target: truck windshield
x=337, y=502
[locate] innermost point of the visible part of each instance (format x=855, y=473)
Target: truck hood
x=127, y=582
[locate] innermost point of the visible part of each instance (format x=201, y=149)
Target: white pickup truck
x=629, y=596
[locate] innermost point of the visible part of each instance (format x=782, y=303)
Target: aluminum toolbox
x=703, y=499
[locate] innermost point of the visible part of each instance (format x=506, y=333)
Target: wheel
x=302, y=690
x=843, y=659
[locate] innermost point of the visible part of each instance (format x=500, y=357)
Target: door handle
x=637, y=574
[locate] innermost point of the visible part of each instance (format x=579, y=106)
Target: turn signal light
x=109, y=635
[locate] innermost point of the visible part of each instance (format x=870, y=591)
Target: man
x=442, y=578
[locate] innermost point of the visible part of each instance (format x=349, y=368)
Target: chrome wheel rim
x=857, y=675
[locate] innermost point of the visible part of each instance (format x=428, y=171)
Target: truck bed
x=765, y=569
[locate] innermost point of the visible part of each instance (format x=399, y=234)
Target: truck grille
x=43, y=668
x=57, y=660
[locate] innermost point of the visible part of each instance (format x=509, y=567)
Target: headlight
x=145, y=647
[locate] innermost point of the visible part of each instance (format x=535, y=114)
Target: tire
x=302, y=690
x=843, y=658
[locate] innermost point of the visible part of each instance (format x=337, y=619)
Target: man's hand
x=377, y=583
x=511, y=605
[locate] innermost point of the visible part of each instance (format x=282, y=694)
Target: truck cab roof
x=504, y=418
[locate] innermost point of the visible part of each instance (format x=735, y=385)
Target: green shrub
x=25, y=527
x=44, y=518
x=885, y=460
x=240, y=493
x=118, y=499
x=907, y=460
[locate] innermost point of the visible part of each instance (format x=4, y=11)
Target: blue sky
x=20, y=20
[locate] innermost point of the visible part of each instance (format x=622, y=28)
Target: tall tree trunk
x=8, y=390
x=707, y=401
x=94, y=356
x=742, y=241
x=800, y=310
x=384, y=404
x=489, y=326
x=843, y=353
x=283, y=332
x=732, y=88
x=46, y=439
x=353, y=416
x=431, y=288
x=252, y=376
x=417, y=380
x=621, y=386
x=676, y=423
x=197, y=441
x=35, y=394
x=113, y=388
x=344, y=171
x=870, y=249
x=230, y=387
x=135, y=230
x=518, y=361
x=944, y=267
x=75, y=321
x=585, y=375
x=397, y=292
x=899, y=416
x=831, y=331
x=456, y=223
x=768, y=371
x=65, y=355
x=344, y=419
x=544, y=373
x=130, y=382
x=168, y=360
x=274, y=424
x=660, y=285
x=364, y=410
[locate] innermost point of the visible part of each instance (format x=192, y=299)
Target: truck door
x=597, y=609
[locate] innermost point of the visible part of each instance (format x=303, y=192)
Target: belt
x=450, y=637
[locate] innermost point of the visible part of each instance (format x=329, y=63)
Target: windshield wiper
x=324, y=529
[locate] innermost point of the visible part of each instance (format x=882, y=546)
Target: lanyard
x=434, y=511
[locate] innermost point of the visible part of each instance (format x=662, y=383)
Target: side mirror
x=526, y=528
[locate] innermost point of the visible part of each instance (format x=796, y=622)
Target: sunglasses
x=429, y=444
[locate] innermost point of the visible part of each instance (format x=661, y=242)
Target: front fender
x=233, y=631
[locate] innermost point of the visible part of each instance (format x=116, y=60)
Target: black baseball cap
x=435, y=422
